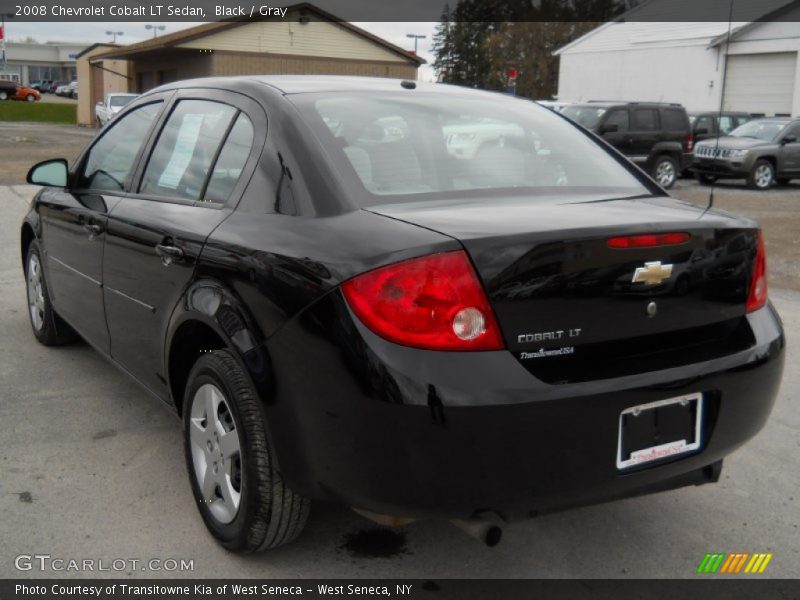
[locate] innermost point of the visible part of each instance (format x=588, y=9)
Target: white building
x=31, y=62
x=687, y=62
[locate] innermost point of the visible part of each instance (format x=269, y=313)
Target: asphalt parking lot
x=92, y=467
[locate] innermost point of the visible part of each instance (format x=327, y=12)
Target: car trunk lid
x=569, y=304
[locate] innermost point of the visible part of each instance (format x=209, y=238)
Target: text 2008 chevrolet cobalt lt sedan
x=415, y=300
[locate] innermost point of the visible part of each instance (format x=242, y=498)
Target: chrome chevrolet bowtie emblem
x=652, y=273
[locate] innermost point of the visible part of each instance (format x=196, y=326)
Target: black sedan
x=414, y=300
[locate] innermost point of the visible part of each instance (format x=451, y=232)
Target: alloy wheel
x=763, y=176
x=35, y=292
x=216, y=452
x=665, y=173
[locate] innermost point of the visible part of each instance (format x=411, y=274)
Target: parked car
x=341, y=309
x=51, y=89
x=553, y=104
x=762, y=151
x=26, y=94
x=67, y=89
x=7, y=88
x=106, y=110
x=41, y=84
x=655, y=136
x=710, y=124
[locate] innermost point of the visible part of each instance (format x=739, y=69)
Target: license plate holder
x=659, y=430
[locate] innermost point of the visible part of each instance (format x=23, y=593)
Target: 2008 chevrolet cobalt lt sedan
x=414, y=300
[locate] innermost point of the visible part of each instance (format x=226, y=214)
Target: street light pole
x=115, y=34
x=155, y=28
x=416, y=37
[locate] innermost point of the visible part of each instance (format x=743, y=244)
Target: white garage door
x=760, y=83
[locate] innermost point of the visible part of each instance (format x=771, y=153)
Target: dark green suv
x=656, y=136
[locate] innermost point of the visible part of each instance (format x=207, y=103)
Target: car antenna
x=721, y=100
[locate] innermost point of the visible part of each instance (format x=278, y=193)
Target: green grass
x=38, y=111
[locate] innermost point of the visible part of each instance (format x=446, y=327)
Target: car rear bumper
x=393, y=430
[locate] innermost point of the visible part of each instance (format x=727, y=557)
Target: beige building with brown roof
x=306, y=41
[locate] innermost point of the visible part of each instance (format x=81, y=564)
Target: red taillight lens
x=648, y=240
x=758, y=284
x=435, y=302
x=689, y=142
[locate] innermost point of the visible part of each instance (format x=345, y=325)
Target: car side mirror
x=701, y=131
x=52, y=173
x=789, y=139
x=610, y=128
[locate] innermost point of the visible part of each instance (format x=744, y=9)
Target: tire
x=266, y=513
x=665, y=171
x=761, y=176
x=48, y=328
x=704, y=179
x=3, y=95
x=30, y=98
x=99, y=122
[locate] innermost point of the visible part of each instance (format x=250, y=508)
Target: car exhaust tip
x=486, y=530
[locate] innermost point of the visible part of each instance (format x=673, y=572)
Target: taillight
x=648, y=240
x=758, y=284
x=689, y=142
x=435, y=302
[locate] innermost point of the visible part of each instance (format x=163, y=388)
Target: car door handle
x=93, y=229
x=169, y=253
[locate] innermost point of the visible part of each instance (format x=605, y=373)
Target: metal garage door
x=760, y=83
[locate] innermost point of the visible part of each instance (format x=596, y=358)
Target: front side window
x=618, y=118
x=726, y=124
x=444, y=146
x=110, y=162
x=645, y=119
x=705, y=123
x=588, y=116
x=186, y=148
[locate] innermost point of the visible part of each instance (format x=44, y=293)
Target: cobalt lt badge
x=652, y=273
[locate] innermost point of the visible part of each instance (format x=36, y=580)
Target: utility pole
x=416, y=38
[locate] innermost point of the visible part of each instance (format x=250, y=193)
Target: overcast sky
x=89, y=33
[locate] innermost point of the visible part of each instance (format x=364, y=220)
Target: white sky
x=90, y=33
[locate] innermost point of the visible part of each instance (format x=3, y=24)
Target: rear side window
x=674, y=120
x=231, y=161
x=645, y=119
x=183, y=156
x=619, y=118
x=110, y=161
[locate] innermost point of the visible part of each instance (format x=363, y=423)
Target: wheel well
x=190, y=341
x=26, y=237
x=771, y=160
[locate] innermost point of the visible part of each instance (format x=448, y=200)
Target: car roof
x=303, y=84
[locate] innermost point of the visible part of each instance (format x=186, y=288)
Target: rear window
x=427, y=145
